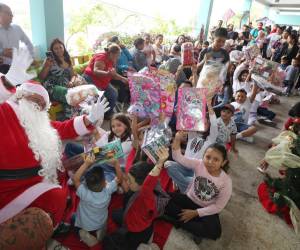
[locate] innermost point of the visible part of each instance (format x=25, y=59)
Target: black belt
x=17, y=174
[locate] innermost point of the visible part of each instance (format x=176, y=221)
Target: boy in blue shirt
x=95, y=195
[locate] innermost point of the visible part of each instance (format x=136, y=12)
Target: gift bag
x=212, y=76
x=191, y=109
x=145, y=95
x=187, y=54
x=157, y=137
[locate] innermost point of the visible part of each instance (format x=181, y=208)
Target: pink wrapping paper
x=191, y=109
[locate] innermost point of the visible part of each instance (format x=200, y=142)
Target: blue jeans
x=265, y=112
x=110, y=93
x=181, y=175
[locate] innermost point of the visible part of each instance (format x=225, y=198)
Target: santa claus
x=30, y=147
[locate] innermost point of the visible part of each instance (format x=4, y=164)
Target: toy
x=79, y=94
x=156, y=137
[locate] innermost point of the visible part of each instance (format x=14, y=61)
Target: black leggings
x=129, y=240
x=204, y=227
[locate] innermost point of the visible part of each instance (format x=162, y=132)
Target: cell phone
x=49, y=54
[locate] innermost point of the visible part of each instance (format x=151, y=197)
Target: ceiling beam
x=266, y=3
x=285, y=5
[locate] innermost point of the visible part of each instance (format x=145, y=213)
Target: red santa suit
x=16, y=155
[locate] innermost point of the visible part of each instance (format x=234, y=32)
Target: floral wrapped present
x=167, y=92
x=145, y=94
x=157, y=137
x=191, y=109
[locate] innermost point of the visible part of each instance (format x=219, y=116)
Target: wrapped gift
x=155, y=138
x=145, y=94
x=112, y=150
x=264, y=67
x=251, y=52
x=212, y=76
x=167, y=92
x=236, y=56
x=266, y=85
x=79, y=94
x=267, y=74
x=187, y=54
x=191, y=109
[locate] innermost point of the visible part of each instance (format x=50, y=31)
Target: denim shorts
x=241, y=126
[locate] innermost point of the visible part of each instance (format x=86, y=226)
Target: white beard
x=43, y=139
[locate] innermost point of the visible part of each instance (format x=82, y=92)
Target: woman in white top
x=160, y=50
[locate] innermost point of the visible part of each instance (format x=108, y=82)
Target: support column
x=247, y=4
x=47, y=23
x=204, y=14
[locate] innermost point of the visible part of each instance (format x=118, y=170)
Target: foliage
x=115, y=20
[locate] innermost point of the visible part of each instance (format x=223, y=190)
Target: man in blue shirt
x=10, y=37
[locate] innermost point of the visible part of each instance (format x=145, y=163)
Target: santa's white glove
x=21, y=61
x=97, y=111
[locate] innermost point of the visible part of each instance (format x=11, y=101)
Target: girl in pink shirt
x=208, y=193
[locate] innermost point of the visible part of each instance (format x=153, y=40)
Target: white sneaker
x=249, y=139
x=87, y=238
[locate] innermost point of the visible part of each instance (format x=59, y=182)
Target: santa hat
x=34, y=87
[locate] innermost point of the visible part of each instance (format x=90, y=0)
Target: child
x=242, y=106
x=215, y=52
x=143, y=203
x=120, y=128
x=197, y=144
x=149, y=50
x=284, y=62
x=224, y=96
x=292, y=72
x=241, y=79
x=197, y=210
x=94, y=194
x=227, y=129
x=139, y=57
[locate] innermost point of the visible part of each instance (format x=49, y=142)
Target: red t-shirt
x=288, y=123
x=143, y=211
x=103, y=81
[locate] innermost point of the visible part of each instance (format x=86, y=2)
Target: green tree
x=80, y=20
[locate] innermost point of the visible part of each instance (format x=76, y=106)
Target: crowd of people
x=31, y=150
